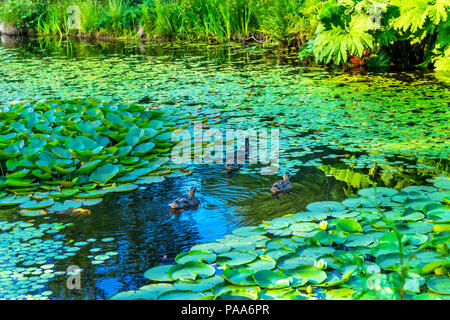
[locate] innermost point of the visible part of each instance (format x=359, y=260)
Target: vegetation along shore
x=375, y=34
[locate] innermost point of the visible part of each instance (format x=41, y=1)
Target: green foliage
x=378, y=61
x=61, y=149
x=21, y=13
x=278, y=19
x=118, y=17
x=148, y=16
x=378, y=32
x=54, y=20
x=208, y=20
x=337, y=43
x=368, y=27
x=91, y=14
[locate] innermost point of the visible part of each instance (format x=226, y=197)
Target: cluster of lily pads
x=30, y=256
x=28, y=260
x=333, y=250
x=63, y=155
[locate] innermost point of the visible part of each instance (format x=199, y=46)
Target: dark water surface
x=339, y=132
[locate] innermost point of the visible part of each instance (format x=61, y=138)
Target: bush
x=21, y=14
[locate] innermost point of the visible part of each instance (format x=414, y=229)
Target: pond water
x=339, y=132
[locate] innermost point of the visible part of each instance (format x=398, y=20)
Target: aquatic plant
x=392, y=120
x=91, y=15
x=118, y=17
x=35, y=254
x=52, y=151
x=381, y=244
x=28, y=257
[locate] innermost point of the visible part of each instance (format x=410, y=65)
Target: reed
x=91, y=14
x=54, y=19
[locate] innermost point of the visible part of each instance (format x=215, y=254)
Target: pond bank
x=330, y=32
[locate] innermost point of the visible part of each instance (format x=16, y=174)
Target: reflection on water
x=192, y=79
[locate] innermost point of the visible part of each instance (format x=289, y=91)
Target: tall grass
x=54, y=20
x=211, y=20
x=220, y=20
x=91, y=14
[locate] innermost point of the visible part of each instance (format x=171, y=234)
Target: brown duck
x=183, y=203
x=281, y=187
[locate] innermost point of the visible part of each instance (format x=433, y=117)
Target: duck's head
x=192, y=192
x=286, y=176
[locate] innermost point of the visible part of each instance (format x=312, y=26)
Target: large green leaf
x=104, y=173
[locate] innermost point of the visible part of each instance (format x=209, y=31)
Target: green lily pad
x=191, y=270
x=199, y=284
x=443, y=184
x=195, y=255
x=239, y=276
x=235, y=258
x=181, y=295
x=104, y=173
x=159, y=273
x=212, y=246
x=271, y=279
x=349, y=225
x=153, y=291
x=439, y=285
x=311, y=273
x=325, y=206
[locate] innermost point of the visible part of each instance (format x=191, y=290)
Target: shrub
x=21, y=13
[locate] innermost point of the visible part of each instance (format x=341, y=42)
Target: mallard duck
x=281, y=187
x=232, y=168
x=183, y=203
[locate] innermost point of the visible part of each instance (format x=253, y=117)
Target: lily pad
x=191, y=270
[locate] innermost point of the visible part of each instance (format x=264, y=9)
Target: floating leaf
x=159, y=273
x=271, y=279
x=349, y=225
x=191, y=270
x=235, y=258
x=104, y=173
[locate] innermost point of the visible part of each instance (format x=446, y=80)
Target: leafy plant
x=21, y=13
x=67, y=147
x=378, y=61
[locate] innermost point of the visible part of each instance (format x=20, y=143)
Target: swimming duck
x=232, y=168
x=281, y=187
x=183, y=203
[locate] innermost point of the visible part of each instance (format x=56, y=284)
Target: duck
x=183, y=203
x=281, y=187
x=234, y=167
